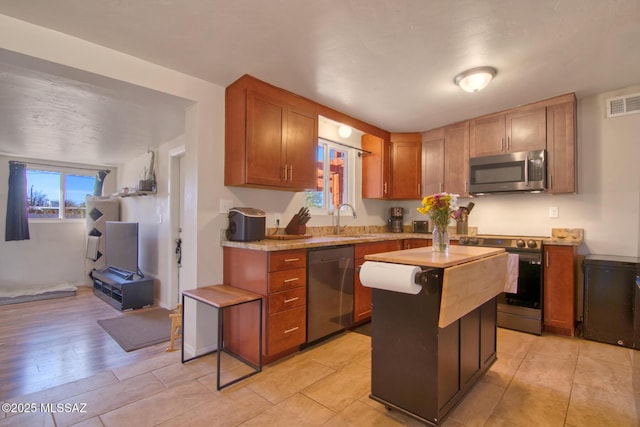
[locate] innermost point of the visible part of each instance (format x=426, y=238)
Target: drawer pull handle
x=292, y=259
x=291, y=330
x=291, y=299
x=293, y=279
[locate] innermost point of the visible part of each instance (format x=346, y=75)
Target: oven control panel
x=515, y=242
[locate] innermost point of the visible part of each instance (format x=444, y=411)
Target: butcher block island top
x=426, y=257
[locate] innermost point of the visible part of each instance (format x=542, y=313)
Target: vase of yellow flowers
x=439, y=207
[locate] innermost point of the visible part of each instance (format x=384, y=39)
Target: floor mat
x=139, y=329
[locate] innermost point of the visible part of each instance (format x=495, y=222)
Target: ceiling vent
x=623, y=105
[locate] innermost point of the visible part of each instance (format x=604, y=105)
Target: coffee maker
x=396, y=220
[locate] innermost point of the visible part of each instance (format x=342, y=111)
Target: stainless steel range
x=521, y=311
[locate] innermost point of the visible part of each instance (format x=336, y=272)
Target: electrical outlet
x=277, y=218
x=553, y=212
x=225, y=205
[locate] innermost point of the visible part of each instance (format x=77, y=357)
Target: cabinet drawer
x=363, y=249
x=287, y=329
x=287, y=279
x=281, y=301
x=285, y=260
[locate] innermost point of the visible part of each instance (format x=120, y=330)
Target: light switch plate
x=553, y=212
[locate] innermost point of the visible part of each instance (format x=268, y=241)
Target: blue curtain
x=97, y=187
x=17, y=225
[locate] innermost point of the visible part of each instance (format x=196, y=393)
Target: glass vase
x=440, y=240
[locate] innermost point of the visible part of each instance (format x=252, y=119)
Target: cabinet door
x=433, y=162
x=559, y=306
x=526, y=130
x=406, y=165
x=376, y=168
x=301, y=148
x=561, y=148
x=264, y=146
x=456, y=159
x=361, y=296
x=487, y=135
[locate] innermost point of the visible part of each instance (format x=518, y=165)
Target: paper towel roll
x=390, y=277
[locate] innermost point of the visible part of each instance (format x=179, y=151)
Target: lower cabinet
x=281, y=278
x=559, y=289
x=362, y=294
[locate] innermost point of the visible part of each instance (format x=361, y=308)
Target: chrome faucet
x=338, y=220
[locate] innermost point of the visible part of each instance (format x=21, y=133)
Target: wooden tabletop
x=426, y=257
x=221, y=296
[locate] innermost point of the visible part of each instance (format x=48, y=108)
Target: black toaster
x=246, y=225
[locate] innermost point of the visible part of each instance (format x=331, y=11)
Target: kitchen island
x=431, y=343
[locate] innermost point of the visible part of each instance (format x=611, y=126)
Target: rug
x=139, y=329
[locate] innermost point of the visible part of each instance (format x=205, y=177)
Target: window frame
x=63, y=172
x=350, y=176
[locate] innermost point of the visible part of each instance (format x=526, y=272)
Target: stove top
x=523, y=243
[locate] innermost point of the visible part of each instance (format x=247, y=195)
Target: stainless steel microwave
x=525, y=171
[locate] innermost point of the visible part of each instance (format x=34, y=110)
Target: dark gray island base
x=419, y=368
x=432, y=341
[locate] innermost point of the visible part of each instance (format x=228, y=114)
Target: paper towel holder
x=422, y=279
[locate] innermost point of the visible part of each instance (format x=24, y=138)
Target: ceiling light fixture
x=475, y=79
x=344, y=131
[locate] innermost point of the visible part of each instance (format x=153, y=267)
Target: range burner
x=523, y=243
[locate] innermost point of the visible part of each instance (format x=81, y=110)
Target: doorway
x=176, y=216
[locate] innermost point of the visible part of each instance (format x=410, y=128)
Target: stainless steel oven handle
x=526, y=171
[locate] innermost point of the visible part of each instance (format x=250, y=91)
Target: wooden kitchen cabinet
x=446, y=160
x=376, y=168
x=271, y=137
x=406, y=166
x=362, y=294
x=393, y=170
x=415, y=243
x=433, y=161
x=281, y=278
x=561, y=147
x=456, y=159
x=559, y=289
x=521, y=129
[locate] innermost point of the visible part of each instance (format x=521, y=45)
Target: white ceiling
x=388, y=62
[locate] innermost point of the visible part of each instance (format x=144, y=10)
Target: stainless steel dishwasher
x=329, y=291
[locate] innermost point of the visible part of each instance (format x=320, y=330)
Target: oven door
x=522, y=310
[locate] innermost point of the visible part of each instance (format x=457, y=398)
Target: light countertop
x=426, y=257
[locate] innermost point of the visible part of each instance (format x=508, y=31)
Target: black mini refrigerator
x=612, y=300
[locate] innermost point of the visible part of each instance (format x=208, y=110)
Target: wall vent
x=623, y=105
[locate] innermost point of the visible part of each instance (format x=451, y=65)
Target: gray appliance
x=524, y=171
x=246, y=224
x=329, y=291
x=612, y=300
x=396, y=219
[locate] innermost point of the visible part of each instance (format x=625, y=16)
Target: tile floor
x=536, y=381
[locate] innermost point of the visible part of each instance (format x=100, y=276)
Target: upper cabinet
x=271, y=137
x=445, y=155
x=561, y=147
x=393, y=168
x=456, y=159
x=376, y=168
x=406, y=166
x=519, y=130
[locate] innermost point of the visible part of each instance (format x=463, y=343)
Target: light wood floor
x=52, y=342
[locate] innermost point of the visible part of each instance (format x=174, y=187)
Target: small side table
x=222, y=297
